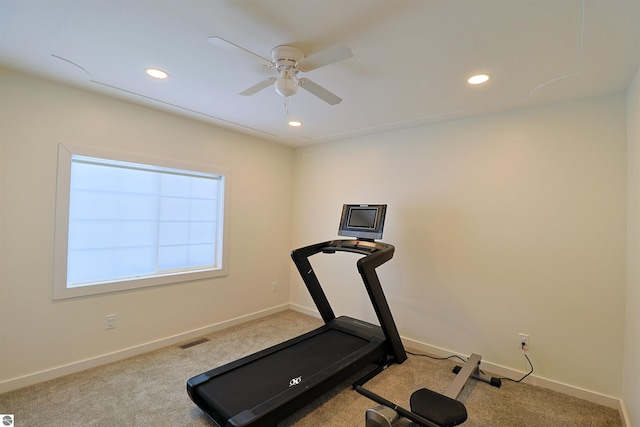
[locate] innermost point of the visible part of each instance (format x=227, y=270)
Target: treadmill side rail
x=376, y=254
x=301, y=261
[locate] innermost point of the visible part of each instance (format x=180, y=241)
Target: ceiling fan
x=288, y=61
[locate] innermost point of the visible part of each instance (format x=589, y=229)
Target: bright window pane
x=130, y=220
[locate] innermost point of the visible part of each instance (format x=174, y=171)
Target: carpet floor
x=150, y=389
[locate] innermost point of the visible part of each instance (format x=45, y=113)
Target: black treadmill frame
x=376, y=254
x=384, y=346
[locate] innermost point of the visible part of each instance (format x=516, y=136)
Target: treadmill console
x=364, y=222
x=364, y=247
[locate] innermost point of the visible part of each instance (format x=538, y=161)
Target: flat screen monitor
x=364, y=222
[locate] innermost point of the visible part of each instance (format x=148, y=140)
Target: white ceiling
x=409, y=67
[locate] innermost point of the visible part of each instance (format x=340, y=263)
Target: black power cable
x=455, y=356
x=525, y=376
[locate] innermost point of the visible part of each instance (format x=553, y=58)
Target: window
x=125, y=222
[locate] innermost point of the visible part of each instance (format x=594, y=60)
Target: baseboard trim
x=498, y=370
x=626, y=419
x=305, y=310
x=502, y=371
x=81, y=365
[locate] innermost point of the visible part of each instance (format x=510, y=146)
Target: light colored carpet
x=150, y=389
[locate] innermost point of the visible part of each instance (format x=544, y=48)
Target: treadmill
x=266, y=387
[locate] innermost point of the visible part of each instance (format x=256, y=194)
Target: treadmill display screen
x=362, y=217
x=364, y=222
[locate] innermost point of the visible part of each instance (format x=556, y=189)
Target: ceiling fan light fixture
x=478, y=79
x=285, y=84
x=157, y=73
x=295, y=123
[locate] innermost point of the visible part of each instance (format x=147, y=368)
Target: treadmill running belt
x=243, y=389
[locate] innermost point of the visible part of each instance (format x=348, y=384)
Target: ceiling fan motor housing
x=286, y=57
x=285, y=60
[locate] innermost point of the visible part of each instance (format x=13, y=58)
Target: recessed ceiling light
x=157, y=73
x=295, y=123
x=478, y=79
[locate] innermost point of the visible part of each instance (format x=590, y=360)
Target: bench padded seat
x=438, y=408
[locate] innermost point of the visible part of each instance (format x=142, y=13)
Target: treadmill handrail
x=375, y=254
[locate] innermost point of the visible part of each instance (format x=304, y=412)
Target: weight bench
x=428, y=408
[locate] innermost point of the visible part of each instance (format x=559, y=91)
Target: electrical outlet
x=110, y=321
x=523, y=341
x=274, y=287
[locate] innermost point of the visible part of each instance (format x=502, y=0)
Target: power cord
x=524, y=351
x=455, y=356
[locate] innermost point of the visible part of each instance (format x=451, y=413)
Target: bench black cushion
x=438, y=408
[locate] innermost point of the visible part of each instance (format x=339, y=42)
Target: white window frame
x=61, y=226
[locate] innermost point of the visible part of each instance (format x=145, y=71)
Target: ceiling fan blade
x=319, y=91
x=232, y=47
x=326, y=57
x=258, y=86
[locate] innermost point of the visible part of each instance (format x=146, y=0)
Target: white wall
x=38, y=334
x=631, y=385
x=502, y=224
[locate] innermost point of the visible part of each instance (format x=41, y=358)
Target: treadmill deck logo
x=295, y=381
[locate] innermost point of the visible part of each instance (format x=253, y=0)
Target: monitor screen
x=362, y=221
